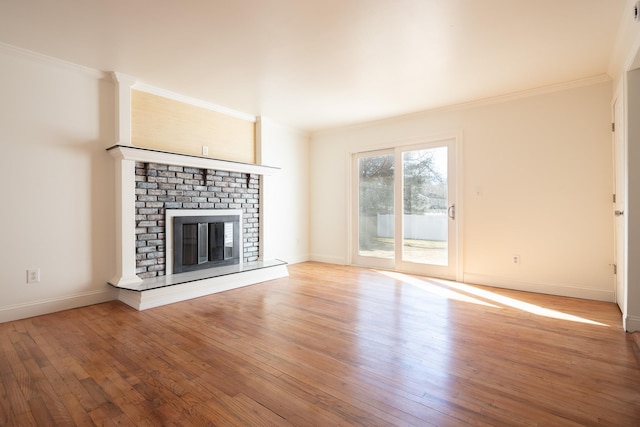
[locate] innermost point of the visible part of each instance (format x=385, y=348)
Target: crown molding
x=50, y=60
x=513, y=96
x=528, y=93
x=154, y=90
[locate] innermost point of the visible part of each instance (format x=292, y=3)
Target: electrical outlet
x=205, y=150
x=33, y=276
x=515, y=259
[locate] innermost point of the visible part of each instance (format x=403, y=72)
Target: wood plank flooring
x=327, y=346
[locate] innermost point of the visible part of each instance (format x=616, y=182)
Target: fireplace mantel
x=129, y=152
x=130, y=285
x=126, y=278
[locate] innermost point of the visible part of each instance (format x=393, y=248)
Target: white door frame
x=450, y=271
x=456, y=137
x=619, y=203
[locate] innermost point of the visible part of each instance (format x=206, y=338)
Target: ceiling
x=318, y=64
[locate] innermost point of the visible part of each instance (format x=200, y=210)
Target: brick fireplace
x=151, y=183
x=160, y=187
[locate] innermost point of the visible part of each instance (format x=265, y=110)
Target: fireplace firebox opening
x=201, y=242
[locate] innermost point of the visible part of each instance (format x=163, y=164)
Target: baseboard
x=632, y=324
x=143, y=300
x=38, y=308
x=635, y=339
x=296, y=259
x=564, y=290
x=328, y=259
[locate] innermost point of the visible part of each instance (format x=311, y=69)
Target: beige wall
x=165, y=124
x=285, y=213
x=57, y=185
x=544, y=166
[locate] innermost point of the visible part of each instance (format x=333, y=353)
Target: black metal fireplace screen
x=201, y=242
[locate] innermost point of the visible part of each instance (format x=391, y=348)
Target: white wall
x=544, y=166
x=57, y=185
x=286, y=194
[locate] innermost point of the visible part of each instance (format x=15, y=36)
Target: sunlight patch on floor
x=468, y=293
x=435, y=289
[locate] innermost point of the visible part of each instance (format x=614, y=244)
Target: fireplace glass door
x=205, y=242
x=192, y=248
x=221, y=241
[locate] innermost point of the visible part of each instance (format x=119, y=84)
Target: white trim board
x=328, y=259
x=632, y=324
x=154, y=90
x=50, y=60
x=296, y=259
x=564, y=290
x=167, y=295
x=498, y=99
x=145, y=155
x=52, y=305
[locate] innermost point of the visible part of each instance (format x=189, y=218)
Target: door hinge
x=614, y=198
x=615, y=268
x=613, y=127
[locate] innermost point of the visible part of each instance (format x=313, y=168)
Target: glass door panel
x=425, y=237
x=376, y=232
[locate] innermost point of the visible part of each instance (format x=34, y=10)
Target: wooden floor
x=327, y=346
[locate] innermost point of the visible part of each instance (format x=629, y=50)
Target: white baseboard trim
x=296, y=259
x=52, y=305
x=143, y=300
x=632, y=324
x=328, y=259
x=540, y=287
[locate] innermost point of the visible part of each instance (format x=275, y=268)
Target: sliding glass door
x=375, y=209
x=418, y=182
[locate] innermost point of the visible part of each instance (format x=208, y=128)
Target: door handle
x=619, y=213
x=452, y=211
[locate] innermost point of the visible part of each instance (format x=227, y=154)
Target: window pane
x=376, y=218
x=425, y=237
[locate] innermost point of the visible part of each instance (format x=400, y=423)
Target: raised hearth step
x=165, y=290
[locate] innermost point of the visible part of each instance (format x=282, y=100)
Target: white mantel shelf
x=138, y=154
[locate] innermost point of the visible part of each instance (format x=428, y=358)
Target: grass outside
x=419, y=251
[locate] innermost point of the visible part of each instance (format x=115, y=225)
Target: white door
x=619, y=206
x=405, y=209
x=426, y=234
